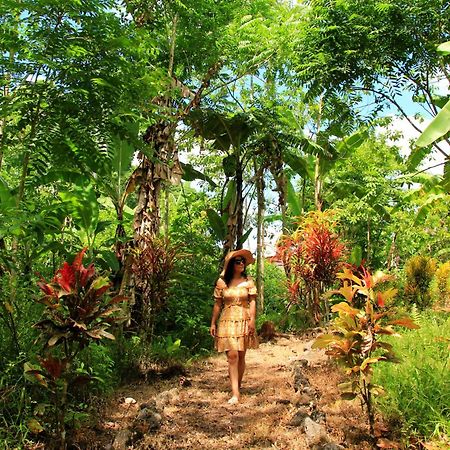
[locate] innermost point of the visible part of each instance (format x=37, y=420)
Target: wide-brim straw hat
x=246, y=254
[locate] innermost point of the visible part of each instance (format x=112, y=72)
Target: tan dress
x=232, y=327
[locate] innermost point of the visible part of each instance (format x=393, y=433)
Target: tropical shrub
x=440, y=285
x=313, y=254
x=78, y=311
x=419, y=272
x=355, y=341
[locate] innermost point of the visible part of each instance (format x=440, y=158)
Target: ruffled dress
x=232, y=327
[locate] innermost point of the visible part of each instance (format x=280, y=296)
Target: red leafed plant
x=364, y=316
x=79, y=310
x=314, y=255
x=152, y=266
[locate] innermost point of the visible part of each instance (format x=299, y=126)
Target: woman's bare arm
x=215, y=315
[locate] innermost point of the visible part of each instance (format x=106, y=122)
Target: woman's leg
x=233, y=372
x=241, y=366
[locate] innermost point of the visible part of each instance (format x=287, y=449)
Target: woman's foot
x=233, y=400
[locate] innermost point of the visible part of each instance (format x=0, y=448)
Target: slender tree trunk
x=280, y=180
x=303, y=194
x=147, y=216
x=260, y=239
x=230, y=237
x=235, y=211
x=166, y=210
x=367, y=397
x=239, y=206
x=391, y=255
x=172, y=45
x=317, y=185
x=317, y=172
x=277, y=169
x=316, y=302
x=25, y=163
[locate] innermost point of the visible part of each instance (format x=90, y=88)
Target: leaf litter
x=199, y=417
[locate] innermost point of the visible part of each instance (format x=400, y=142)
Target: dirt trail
x=198, y=416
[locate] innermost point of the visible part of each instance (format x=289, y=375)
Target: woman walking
x=235, y=301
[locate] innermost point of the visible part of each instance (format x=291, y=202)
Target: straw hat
x=246, y=254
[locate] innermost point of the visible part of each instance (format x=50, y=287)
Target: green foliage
x=359, y=41
x=135, y=356
x=437, y=129
x=128, y=352
x=97, y=362
x=417, y=390
x=276, y=299
x=217, y=224
x=430, y=234
x=167, y=349
x=363, y=188
x=81, y=83
x=419, y=272
x=355, y=341
x=440, y=125
x=15, y=403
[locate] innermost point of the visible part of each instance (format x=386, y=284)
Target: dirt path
x=198, y=416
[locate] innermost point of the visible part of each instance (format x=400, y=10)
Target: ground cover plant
x=417, y=389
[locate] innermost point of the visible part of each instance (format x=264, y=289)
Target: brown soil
x=200, y=418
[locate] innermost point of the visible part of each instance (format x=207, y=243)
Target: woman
x=235, y=296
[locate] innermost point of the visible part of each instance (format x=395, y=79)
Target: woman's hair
x=230, y=270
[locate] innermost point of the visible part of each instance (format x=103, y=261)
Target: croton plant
x=79, y=310
x=365, y=315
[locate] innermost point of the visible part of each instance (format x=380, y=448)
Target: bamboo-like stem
x=259, y=173
x=317, y=174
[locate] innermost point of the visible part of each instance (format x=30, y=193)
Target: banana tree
x=228, y=135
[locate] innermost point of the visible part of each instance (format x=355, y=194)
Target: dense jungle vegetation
x=141, y=140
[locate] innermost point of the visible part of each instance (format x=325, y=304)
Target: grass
x=418, y=389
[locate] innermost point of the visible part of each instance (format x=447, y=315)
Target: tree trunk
x=146, y=223
x=166, y=211
x=235, y=211
x=280, y=181
x=260, y=238
x=303, y=195
x=239, y=206
x=153, y=173
x=316, y=302
x=391, y=255
x=317, y=173
x=317, y=185
x=161, y=137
